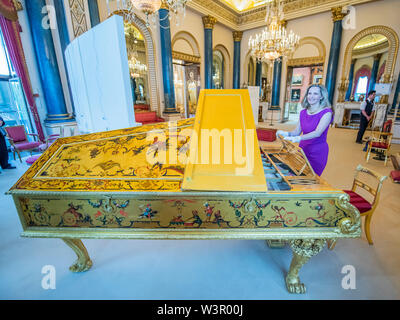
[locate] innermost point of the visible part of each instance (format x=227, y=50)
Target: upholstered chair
x=19, y=140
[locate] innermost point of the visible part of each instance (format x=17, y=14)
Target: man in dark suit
x=367, y=112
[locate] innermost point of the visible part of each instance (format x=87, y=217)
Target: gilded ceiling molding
x=393, y=40
x=209, y=22
x=255, y=18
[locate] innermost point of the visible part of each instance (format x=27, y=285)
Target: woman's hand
x=295, y=139
x=282, y=133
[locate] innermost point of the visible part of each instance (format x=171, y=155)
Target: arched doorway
x=186, y=63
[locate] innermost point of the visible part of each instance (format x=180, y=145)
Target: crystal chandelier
x=135, y=66
x=274, y=41
x=176, y=9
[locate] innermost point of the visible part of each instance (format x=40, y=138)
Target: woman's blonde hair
x=324, y=102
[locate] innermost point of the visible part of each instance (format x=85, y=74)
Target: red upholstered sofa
x=148, y=117
x=264, y=134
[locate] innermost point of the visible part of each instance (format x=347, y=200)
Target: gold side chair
x=365, y=207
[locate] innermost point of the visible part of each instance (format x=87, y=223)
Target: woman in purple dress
x=314, y=123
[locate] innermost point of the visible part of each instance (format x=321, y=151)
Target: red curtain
x=11, y=29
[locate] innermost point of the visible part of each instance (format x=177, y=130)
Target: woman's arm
x=322, y=125
x=295, y=132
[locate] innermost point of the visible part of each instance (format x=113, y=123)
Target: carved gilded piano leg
x=83, y=263
x=303, y=250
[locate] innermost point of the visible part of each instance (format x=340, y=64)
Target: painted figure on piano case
x=314, y=123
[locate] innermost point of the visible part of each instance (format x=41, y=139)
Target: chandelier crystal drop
x=176, y=9
x=274, y=41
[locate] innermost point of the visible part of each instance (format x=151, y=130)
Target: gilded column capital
x=377, y=56
x=338, y=14
x=237, y=35
x=164, y=5
x=209, y=22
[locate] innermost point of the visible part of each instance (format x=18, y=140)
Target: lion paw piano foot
x=294, y=285
x=303, y=250
x=83, y=263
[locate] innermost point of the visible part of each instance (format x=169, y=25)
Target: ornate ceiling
x=243, y=15
x=242, y=5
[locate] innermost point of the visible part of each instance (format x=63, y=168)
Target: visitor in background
x=3, y=148
x=314, y=123
x=367, y=113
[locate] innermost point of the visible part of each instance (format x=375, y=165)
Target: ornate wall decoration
x=189, y=39
x=78, y=17
x=320, y=59
x=185, y=57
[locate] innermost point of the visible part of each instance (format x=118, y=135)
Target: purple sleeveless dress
x=316, y=149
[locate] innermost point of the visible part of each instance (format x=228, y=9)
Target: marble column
x=166, y=59
x=396, y=93
x=237, y=38
x=351, y=80
x=94, y=12
x=276, y=83
x=330, y=82
x=209, y=23
x=374, y=72
x=47, y=63
x=258, y=73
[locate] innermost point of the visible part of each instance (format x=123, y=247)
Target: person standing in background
x=367, y=112
x=3, y=148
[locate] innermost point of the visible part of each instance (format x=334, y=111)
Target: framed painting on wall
x=295, y=95
x=297, y=80
x=317, y=79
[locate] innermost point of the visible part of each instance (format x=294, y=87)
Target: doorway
x=187, y=86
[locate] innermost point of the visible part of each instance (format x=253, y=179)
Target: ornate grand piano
x=144, y=183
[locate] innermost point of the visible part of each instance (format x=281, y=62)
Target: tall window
x=361, y=87
x=6, y=69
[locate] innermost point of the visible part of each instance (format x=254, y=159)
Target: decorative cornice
x=237, y=35
x=185, y=57
x=305, y=61
x=209, y=22
x=255, y=18
x=338, y=14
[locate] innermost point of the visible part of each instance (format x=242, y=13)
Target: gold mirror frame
x=393, y=40
x=151, y=58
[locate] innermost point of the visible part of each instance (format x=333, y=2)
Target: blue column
x=334, y=52
x=276, y=83
x=94, y=12
x=47, y=62
x=258, y=74
x=166, y=59
x=208, y=22
x=374, y=72
x=396, y=93
x=237, y=38
x=351, y=79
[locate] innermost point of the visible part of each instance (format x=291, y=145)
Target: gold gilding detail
x=237, y=35
x=209, y=22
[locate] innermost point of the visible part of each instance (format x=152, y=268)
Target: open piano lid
x=232, y=163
